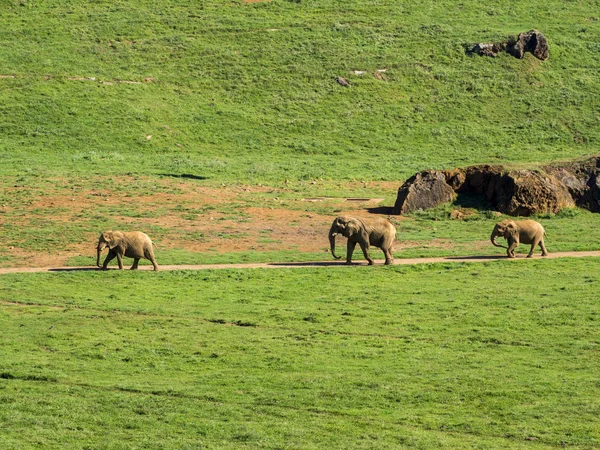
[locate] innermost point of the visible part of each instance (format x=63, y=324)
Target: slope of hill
x=247, y=91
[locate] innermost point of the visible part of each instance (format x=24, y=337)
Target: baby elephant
x=515, y=233
x=134, y=244
x=378, y=232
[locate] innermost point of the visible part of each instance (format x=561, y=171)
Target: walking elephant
x=133, y=244
x=517, y=232
x=378, y=232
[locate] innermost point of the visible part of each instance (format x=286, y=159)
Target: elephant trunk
x=332, y=234
x=493, y=239
x=99, y=250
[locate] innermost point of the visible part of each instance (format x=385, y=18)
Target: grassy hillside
x=212, y=125
x=101, y=100
x=494, y=355
x=233, y=91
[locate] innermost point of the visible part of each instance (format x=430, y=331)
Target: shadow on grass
x=463, y=200
x=315, y=264
x=189, y=176
x=385, y=210
x=486, y=257
x=475, y=201
x=74, y=269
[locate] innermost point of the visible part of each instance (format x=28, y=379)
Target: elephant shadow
x=309, y=264
x=478, y=258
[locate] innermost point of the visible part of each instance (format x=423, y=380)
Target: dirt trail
x=293, y=265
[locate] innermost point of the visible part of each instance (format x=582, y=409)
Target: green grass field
x=493, y=355
x=247, y=92
x=192, y=120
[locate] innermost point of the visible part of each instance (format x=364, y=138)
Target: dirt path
x=292, y=265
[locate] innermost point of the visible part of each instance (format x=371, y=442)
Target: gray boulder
x=422, y=191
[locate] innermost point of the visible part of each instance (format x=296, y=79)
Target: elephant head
x=506, y=228
x=107, y=239
x=341, y=225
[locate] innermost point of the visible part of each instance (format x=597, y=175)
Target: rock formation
x=422, y=190
x=532, y=41
x=486, y=49
x=521, y=192
x=582, y=179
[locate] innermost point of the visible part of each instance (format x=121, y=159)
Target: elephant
x=378, y=232
x=133, y=244
x=517, y=232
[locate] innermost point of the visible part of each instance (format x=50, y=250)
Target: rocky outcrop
x=486, y=49
x=532, y=41
x=516, y=192
x=423, y=190
x=582, y=179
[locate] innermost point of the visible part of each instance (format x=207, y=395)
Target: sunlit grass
x=434, y=356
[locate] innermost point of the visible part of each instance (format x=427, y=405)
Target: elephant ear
x=511, y=230
x=341, y=225
x=111, y=238
x=352, y=227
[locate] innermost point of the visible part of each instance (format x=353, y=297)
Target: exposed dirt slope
x=47, y=224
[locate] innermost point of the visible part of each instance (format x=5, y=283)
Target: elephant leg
x=534, y=244
x=389, y=258
x=120, y=261
x=111, y=255
x=349, y=250
x=543, y=247
x=510, y=251
x=149, y=254
x=135, y=263
x=365, y=249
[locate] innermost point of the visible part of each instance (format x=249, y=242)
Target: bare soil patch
x=176, y=213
